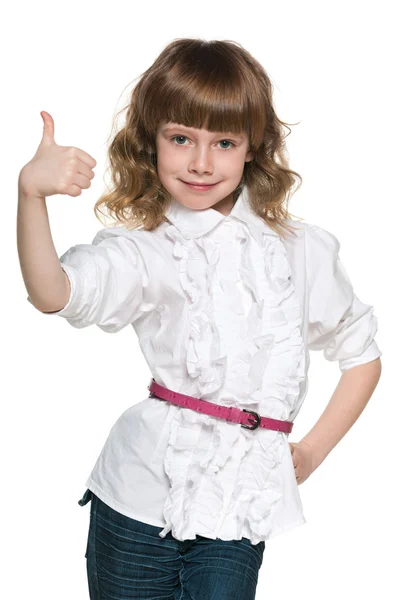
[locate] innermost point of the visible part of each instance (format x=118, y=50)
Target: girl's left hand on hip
x=303, y=460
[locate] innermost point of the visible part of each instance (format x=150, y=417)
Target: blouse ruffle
x=204, y=452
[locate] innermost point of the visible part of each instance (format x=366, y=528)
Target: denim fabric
x=127, y=559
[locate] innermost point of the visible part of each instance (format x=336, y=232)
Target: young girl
x=226, y=294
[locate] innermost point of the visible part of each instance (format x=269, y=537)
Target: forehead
x=170, y=126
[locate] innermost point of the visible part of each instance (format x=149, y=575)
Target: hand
x=56, y=169
x=303, y=460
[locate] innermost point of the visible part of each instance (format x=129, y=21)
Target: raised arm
x=53, y=170
x=45, y=281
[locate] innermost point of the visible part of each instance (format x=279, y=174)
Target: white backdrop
x=334, y=69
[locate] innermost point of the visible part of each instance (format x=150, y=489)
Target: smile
x=201, y=188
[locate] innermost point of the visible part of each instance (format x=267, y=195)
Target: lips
x=194, y=187
x=199, y=184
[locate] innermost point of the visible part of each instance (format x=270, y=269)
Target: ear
x=249, y=157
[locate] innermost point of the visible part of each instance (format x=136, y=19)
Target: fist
x=56, y=169
x=303, y=460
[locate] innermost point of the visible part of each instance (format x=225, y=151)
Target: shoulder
x=115, y=232
x=141, y=240
x=313, y=237
x=139, y=246
x=318, y=237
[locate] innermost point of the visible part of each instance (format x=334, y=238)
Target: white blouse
x=227, y=311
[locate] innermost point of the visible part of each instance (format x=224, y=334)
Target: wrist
x=25, y=189
x=27, y=195
x=316, y=456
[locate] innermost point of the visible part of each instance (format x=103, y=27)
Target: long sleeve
x=340, y=324
x=106, y=279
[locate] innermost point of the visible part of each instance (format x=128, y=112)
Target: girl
x=227, y=294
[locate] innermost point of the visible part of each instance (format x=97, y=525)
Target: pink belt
x=229, y=413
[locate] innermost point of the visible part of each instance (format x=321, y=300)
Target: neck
x=225, y=205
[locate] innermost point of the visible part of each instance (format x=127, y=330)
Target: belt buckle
x=255, y=423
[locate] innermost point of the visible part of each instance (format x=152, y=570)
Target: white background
x=334, y=70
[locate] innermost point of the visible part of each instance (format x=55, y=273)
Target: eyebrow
x=234, y=135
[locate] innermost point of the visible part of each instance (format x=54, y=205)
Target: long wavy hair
x=216, y=85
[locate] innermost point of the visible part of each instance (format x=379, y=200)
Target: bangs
x=204, y=87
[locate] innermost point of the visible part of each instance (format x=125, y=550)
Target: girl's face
x=188, y=155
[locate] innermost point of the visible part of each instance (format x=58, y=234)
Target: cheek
x=168, y=160
x=234, y=163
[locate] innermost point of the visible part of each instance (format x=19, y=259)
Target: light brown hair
x=216, y=85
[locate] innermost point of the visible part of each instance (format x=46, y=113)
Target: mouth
x=201, y=187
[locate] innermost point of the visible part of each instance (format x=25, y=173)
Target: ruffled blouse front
x=225, y=310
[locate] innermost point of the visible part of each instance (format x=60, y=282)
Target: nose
x=200, y=160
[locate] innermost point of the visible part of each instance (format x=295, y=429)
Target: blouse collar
x=195, y=223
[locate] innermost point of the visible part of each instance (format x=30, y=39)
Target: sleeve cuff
x=71, y=308
x=370, y=354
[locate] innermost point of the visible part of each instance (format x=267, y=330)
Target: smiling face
x=186, y=155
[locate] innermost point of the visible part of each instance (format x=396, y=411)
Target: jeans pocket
x=85, y=498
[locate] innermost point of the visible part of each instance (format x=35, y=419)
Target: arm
x=349, y=399
x=45, y=281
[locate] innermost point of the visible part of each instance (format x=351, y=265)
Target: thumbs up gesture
x=56, y=169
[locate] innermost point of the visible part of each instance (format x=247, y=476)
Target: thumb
x=48, y=128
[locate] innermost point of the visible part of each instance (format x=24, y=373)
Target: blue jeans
x=126, y=558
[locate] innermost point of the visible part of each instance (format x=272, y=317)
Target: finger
x=83, y=169
x=73, y=190
x=82, y=181
x=86, y=158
